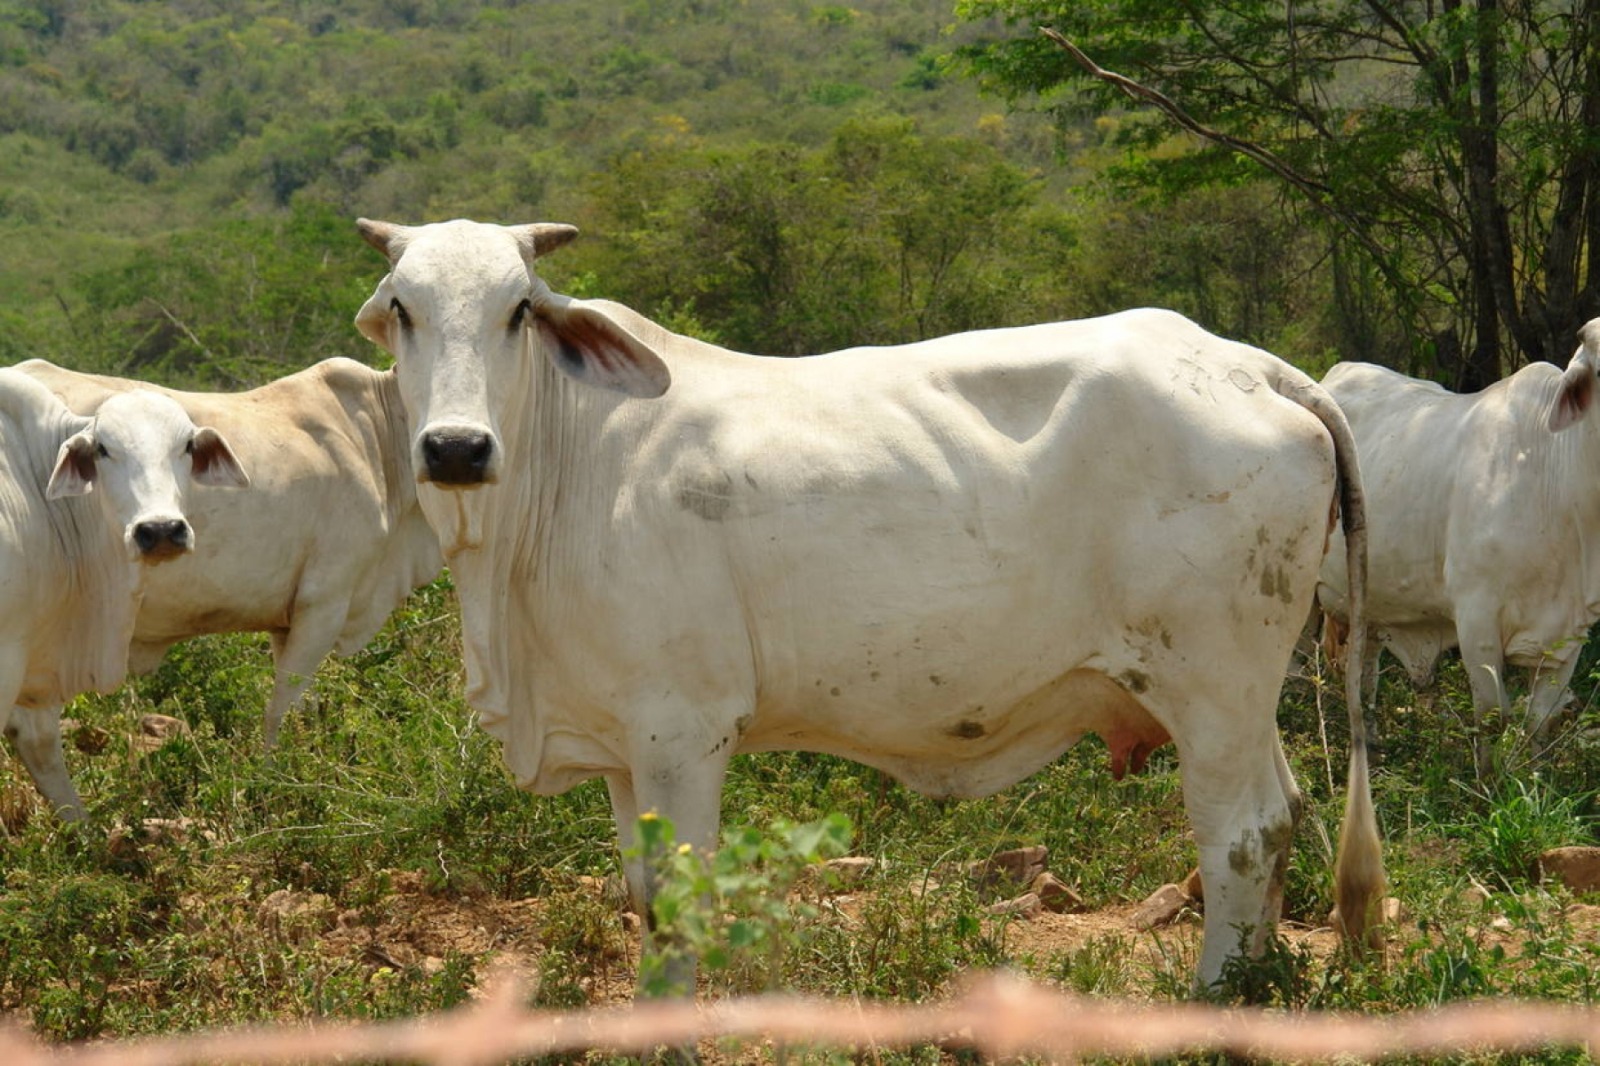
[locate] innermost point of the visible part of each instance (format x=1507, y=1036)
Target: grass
x=214, y=885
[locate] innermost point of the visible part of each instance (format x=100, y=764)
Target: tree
x=1448, y=149
x=229, y=306
x=884, y=236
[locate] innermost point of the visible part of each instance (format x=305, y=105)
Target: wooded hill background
x=178, y=180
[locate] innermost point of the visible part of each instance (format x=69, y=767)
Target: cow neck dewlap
x=97, y=613
x=456, y=516
x=468, y=522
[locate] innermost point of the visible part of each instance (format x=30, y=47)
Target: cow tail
x=1358, y=877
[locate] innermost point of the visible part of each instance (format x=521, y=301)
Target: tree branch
x=1320, y=195
x=1309, y=186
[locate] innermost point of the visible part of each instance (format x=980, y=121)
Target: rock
x=850, y=870
x=1009, y=869
x=173, y=830
x=1192, y=885
x=1162, y=907
x=126, y=842
x=834, y=875
x=163, y=726
x=156, y=730
x=1578, y=868
x=1056, y=895
x=1474, y=896
x=1025, y=906
x=297, y=917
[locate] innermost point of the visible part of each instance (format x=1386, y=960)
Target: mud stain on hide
x=1136, y=681
x=710, y=498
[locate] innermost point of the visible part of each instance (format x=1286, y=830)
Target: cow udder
x=1131, y=740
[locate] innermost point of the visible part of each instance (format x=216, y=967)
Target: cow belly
x=168, y=626
x=961, y=746
x=1539, y=648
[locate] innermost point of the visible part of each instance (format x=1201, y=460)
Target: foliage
x=123, y=124
x=1519, y=820
x=177, y=183
x=733, y=910
x=386, y=796
x=883, y=235
x=231, y=306
x=1443, y=150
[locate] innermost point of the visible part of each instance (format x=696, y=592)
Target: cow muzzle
x=160, y=539
x=457, y=456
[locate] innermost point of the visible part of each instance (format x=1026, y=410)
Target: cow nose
x=161, y=538
x=457, y=456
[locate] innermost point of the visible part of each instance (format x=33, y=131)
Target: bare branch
x=1310, y=186
x=1319, y=194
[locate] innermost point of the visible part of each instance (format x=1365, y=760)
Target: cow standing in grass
x=1482, y=510
x=89, y=509
x=320, y=553
x=947, y=560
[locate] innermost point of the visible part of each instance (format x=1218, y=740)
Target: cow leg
x=685, y=788
x=296, y=654
x=625, y=809
x=36, y=731
x=1242, y=803
x=1484, y=661
x=1547, y=695
x=13, y=672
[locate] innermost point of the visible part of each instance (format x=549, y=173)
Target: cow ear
x=591, y=347
x=214, y=463
x=541, y=238
x=375, y=318
x=75, y=467
x=1575, y=394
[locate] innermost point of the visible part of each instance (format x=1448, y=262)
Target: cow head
x=464, y=315
x=140, y=453
x=1576, y=392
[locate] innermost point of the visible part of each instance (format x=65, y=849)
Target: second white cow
x=1482, y=508
x=89, y=509
x=326, y=546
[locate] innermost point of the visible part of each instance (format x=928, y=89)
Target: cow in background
x=320, y=553
x=90, y=508
x=948, y=560
x=1482, y=509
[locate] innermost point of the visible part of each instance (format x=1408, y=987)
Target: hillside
x=177, y=181
x=124, y=123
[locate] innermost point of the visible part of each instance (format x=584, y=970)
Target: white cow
x=948, y=560
x=1483, y=507
x=89, y=508
x=325, y=547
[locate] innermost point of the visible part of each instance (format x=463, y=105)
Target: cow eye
x=188, y=449
x=100, y=451
x=519, y=315
x=400, y=311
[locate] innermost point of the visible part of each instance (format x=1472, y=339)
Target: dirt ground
x=420, y=929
